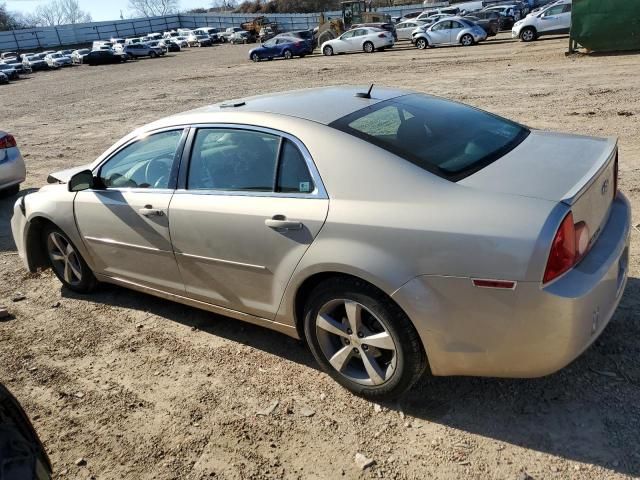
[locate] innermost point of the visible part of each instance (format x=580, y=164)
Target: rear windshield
x=447, y=138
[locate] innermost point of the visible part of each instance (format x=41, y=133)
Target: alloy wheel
x=528, y=35
x=467, y=40
x=421, y=43
x=356, y=342
x=328, y=51
x=368, y=47
x=288, y=55
x=64, y=258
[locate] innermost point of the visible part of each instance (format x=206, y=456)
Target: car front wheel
x=328, y=51
x=255, y=57
x=421, y=44
x=362, y=339
x=67, y=263
x=528, y=35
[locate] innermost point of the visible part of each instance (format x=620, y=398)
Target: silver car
x=12, y=169
x=405, y=29
x=450, y=31
x=395, y=232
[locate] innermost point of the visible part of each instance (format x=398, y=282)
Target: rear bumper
x=12, y=169
x=531, y=331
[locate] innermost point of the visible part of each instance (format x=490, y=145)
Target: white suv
x=553, y=20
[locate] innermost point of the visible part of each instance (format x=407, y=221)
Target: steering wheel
x=157, y=171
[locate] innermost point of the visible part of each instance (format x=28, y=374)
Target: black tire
x=528, y=34
x=466, y=40
x=422, y=44
x=87, y=281
x=10, y=191
x=287, y=55
x=410, y=358
x=153, y=55
x=302, y=56
x=328, y=51
x=368, y=47
x=255, y=57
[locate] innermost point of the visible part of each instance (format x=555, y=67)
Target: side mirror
x=81, y=181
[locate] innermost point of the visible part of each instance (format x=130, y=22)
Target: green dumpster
x=606, y=25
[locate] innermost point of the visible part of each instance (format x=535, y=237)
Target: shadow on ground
x=587, y=412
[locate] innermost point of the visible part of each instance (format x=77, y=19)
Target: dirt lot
x=142, y=388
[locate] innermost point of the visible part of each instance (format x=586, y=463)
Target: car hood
x=548, y=166
x=63, y=176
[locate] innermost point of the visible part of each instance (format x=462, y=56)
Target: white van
x=101, y=44
x=552, y=20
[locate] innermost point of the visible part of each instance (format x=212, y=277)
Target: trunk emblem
x=605, y=187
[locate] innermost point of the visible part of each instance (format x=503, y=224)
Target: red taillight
x=382, y=35
x=8, y=141
x=563, y=252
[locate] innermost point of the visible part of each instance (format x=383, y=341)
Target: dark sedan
x=504, y=22
x=9, y=71
x=489, y=25
x=281, y=47
x=104, y=57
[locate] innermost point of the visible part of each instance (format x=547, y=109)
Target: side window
x=347, y=35
x=228, y=159
x=554, y=10
x=146, y=163
x=293, y=174
x=455, y=25
x=567, y=8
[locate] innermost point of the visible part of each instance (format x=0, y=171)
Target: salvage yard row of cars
x=424, y=29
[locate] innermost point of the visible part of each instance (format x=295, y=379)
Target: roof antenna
x=365, y=95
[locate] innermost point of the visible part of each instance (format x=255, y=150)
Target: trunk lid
x=576, y=170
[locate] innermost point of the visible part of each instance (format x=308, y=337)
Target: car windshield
x=447, y=138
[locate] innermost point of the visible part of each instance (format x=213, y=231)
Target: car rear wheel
x=153, y=55
x=328, y=51
x=368, y=47
x=362, y=339
x=67, y=263
x=255, y=57
x=287, y=55
x=421, y=44
x=528, y=34
x=466, y=40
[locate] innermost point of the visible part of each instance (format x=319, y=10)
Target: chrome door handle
x=280, y=222
x=149, y=211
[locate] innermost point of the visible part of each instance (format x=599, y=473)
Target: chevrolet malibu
x=395, y=232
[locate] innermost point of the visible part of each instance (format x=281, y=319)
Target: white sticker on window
x=304, y=187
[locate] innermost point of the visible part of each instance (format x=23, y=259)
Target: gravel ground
x=142, y=388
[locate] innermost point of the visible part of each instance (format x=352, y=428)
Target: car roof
x=323, y=105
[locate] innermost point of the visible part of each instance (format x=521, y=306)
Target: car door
x=455, y=30
x=440, y=33
x=343, y=43
x=551, y=20
x=239, y=228
x=124, y=220
x=403, y=30
x=564, y=24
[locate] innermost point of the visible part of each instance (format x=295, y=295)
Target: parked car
x=490, y=26
x=9, y=71
x=301, y=34
x=172, y=46
x=98, y=44
x=159, y=44
x=3, y=79
x=366, y=40
x=211, y=32
x=281, y=47
x=66, y=53
x=228, y=33
x=181, y=41
x=401, y=258
x=23, y=455
x=137, y=50
x=507, y=11
x=406, y=28
x=504, y=22
x=8, y=55
x=12, y=168
x=57, y=60
x=389, y=27
x=408, y=16
x=17, y=65
x=240, y=37
x=450, y=31
x=35, y=62
x=105, y=57
x=199, y=40
x=78, y=56
x=553, y=20
x=433, y=17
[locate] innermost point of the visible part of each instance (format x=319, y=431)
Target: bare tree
x=153, y=8
x=221, y=5
x=60, y=12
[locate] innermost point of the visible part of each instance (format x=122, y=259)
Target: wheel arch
x=35, y=253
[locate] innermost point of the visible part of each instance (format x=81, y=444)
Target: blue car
x=281, y=47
